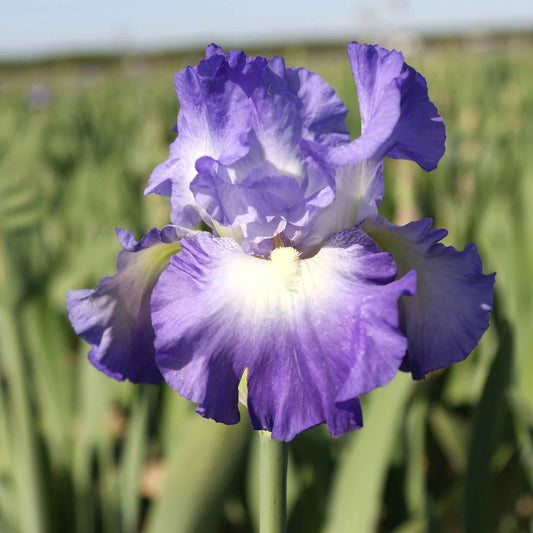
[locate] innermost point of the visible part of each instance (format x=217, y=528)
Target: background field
x=80, y=452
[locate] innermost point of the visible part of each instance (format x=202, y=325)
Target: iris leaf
x=489, y=419
x=358, y=486
x=197, y=477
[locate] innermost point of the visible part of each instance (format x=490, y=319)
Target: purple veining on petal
x=450, y=312
x=313, y=333
x=115, y=318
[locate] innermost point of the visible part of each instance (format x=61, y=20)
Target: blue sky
x=45, y=27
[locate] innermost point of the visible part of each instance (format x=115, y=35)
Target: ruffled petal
x=313, y=333
x=115, y=318
x=261, y=199
x=397, y=120
x=395, y=107
x=214, y=120
x=272, y=188
x=248, y=115
x=294, y=104
x=263, y=204
x=323, y=112
x=289, y=105
x=420, y=133
x=453, y=301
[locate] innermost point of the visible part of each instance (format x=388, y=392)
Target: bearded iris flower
x=300, y=283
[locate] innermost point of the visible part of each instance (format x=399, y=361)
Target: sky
x=36, y=28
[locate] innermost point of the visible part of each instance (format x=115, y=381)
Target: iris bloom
x=301, y=282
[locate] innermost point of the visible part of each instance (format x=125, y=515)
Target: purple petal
x=453, y=301
x=214, y=120
x=249, y=114
x=324, y=113
x=313, y=333
x=115, y=318
x=420, y=133
x=291, y=105
x=263, y=204
x=395, y=106
x=397, y=118
x=258, y=198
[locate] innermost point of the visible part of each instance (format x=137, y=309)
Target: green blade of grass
x=486, y=433
x=356, y=493
x=26, y=470
x=452, y=435
x=415, y=480
x=133, y=459
x=197, y=476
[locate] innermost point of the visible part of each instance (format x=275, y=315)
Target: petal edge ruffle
x=447, y=317
x=115, y=318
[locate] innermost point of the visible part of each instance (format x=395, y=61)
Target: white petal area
x=359, y=189
x=231, y=232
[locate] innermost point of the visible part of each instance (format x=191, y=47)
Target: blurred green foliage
x=81, y=452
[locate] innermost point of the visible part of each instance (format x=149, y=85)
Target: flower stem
x=273, y=479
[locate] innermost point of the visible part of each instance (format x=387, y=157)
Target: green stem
x=273, y=489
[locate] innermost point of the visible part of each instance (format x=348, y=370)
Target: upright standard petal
x=453, y=301
x=313, y=333
x=214, y=120
x=272, y=187
x=395, y=106
x=115, y=318
x=247, y=116
x=397, y=120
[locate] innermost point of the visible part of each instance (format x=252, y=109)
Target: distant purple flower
x=302, y=284
x=39, y=97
